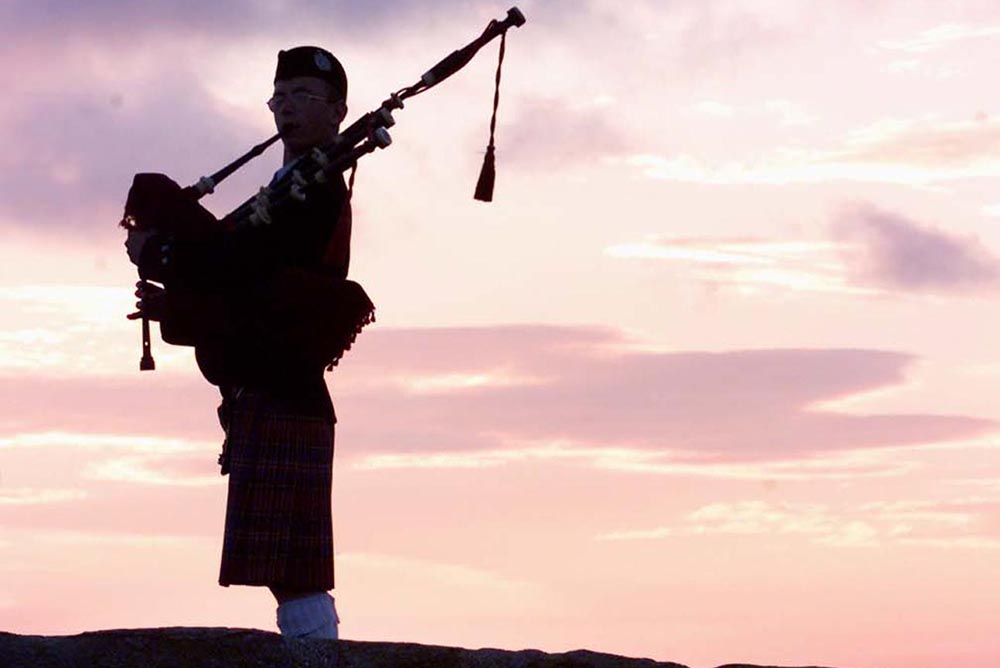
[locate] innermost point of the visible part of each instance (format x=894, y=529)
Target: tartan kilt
x=279, y=528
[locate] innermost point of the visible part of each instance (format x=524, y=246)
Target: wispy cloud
x=108, y=411
x=981, y=483
x=58, y=176
x=226, y=20
x=64, y=329
x=154, y=470
x=836, y=466
x=29, y=496
x=548, y=134
x=484, y=389
x=947, y=146
x=92, y=441
x=902, y=151
x=958, y=524
x=939, y=37
x=783, y=111
x=69, y=538
x=716, y=35
x=871, y=252
x=750, y=264
x=592, y=392
x=441, y=574
x=464, y=382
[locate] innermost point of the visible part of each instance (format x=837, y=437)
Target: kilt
x=279, y=528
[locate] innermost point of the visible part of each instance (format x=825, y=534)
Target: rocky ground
x=243, y=648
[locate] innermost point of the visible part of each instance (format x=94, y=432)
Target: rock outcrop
x=243, y=648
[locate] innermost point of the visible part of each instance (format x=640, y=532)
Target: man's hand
x=152, y=301
x=134, y=244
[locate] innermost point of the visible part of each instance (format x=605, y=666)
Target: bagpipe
x=336, y=309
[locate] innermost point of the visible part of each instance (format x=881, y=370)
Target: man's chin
x=298, y=142
x=297, y=146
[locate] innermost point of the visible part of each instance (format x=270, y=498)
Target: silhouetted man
x=276, y=408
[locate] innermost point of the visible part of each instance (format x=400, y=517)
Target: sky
x=713, y=379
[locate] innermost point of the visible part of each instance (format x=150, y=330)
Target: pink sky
x=712, y=380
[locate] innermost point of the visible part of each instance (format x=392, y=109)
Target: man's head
x=309, y=101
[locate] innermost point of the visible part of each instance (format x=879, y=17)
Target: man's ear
x=338, y=112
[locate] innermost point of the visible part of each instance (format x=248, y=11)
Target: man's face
x=304, y=114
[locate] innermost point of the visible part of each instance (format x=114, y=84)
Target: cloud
x=589, y=387
x=93, y=441
x=489, y=397
x=440, y=574
x=835, y=466
x=938, y=37
x=959, y=523
x=727, y=35
x=155, y=470
x=71, y=151
x=928, y=143
x=548, y=134
x=70, y=537
x=28, y=496
x=63, y=329
x=371, y=580
x=502, y=390
x=900, y=253
x=785, y=112
x=749, y=264
x=226, y=19
x=149, y=413
x=871, y=252
x=987, y=483
x=908, y=152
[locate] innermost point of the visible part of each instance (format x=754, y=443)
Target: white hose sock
x=313, y=616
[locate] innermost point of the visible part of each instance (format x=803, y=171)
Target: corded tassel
x=488, y=174
x=487, y=177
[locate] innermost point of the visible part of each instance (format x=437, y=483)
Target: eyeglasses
x=298, y=99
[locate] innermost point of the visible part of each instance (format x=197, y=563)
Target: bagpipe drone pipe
x=310, y=310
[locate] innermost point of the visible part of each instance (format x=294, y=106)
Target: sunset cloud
x=957, y=147
x=154, y=470
x=229, y=19
x=95, y=442
x=871, y=251
x=723, y=34
x=476, y=389
x=108, y=412
x=750, y=264
x=62, y=178
x=547, y=134
x=26, y=496
x=784, y=111
x=736, y=406
x=437, y=574
x=680, y=464
x=938, y=37
x=898, y=151
x=871, y=525
x=900, y=253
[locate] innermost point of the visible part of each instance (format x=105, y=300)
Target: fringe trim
x=366, y=319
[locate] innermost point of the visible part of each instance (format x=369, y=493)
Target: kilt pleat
x=279, y=528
